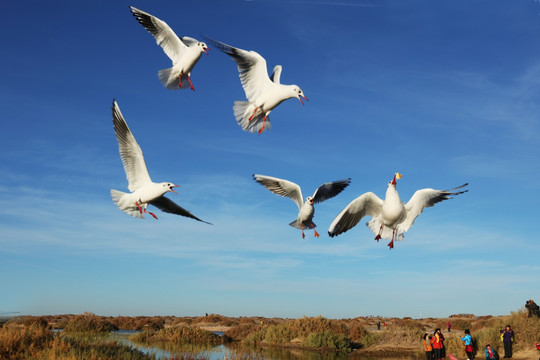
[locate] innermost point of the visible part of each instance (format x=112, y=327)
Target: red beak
x=173, y=189
x=206, y=52
x=394, y=180
x=300, y=98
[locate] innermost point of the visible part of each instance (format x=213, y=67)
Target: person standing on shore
x=508, y=338
x=467, y=340
x=428, y=349
x=449, y=326
x=437, y=343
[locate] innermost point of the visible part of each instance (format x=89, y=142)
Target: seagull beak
x=394, y=180
x=300, y=98
x=173, y=189
x=206, y=52
x=311, y=201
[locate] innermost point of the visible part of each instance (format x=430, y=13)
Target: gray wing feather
x=423, y=199
x=169, y=206
x=164, y=35
x=130, y=152
x=329, y=190
x=251, y=68
x=366, y=204
x=281, y=187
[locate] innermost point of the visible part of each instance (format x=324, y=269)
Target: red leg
x=262, y=128
x=190, y=83
x=151, y=213
x=378, y=237
x=180, y=80
x=302, y=228
x=252, y=115
x=316, y=233
x=391, y=243
x=140, y=208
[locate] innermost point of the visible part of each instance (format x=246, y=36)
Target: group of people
x=435, y=350
x=434, y=345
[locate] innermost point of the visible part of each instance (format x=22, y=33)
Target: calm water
x=236, y=352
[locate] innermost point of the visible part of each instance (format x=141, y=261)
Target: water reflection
x=235, y=351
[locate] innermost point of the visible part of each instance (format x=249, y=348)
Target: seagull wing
x=164, y=35
x=276, y=75
x=281, y=187
x=189, y=41
x=329, y=190
x=251, y=67
x=425, y=198
x=366, y=204
x=167, y=205
x=130, y=152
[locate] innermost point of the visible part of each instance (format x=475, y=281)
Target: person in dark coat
x=508, y=338
x=534, y=309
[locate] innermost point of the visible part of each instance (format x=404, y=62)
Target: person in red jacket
x=437, y=342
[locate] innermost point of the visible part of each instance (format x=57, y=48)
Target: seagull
x=184, y=52
x=291, y=190
x=263, y=93
x=390, y=217
x=143, y=191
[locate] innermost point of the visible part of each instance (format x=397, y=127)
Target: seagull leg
x=315, y=233
x=252, y=115
x=180, y=80
x=138, y=206
x=262, y=128
x=378, y=237
x=391, y=243
x=302, y=228
x=190, y=83
x=151, y=213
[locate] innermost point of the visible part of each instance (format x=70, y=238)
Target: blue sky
x=443, y=92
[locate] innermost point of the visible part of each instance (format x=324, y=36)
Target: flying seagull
x=263, y=93
x=143, y=191
x=184, y=52
x=291, y=190
x=390, y=217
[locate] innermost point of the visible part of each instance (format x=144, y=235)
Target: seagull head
x=170, y=187
x=309, y=200
x=204, y=47
x=299, y=94
x=397, y=176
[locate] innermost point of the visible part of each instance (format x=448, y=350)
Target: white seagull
x=143, y=190
x=291, y=190
x=184, y=52
x=390, y=218
x=263, y=93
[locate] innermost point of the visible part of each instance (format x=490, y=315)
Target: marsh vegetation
x=88, y=336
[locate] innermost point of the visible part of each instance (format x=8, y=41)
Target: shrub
x=178, y=335
x=89, y=323
x=328, y=340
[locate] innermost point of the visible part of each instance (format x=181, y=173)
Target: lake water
x=236, y=352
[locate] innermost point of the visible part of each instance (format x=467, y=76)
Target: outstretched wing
x=276, y=75
x=130, y=152
x=251, y=67
x=164, y=35
x=167, y=205
x=366, y=204
x=281, y=187
x=425, y=198
x=329, y=190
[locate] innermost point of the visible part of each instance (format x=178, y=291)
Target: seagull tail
x=243, y=110
x=386, y=233
x=169, y=79
x=121, y=200
x=296, y=224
